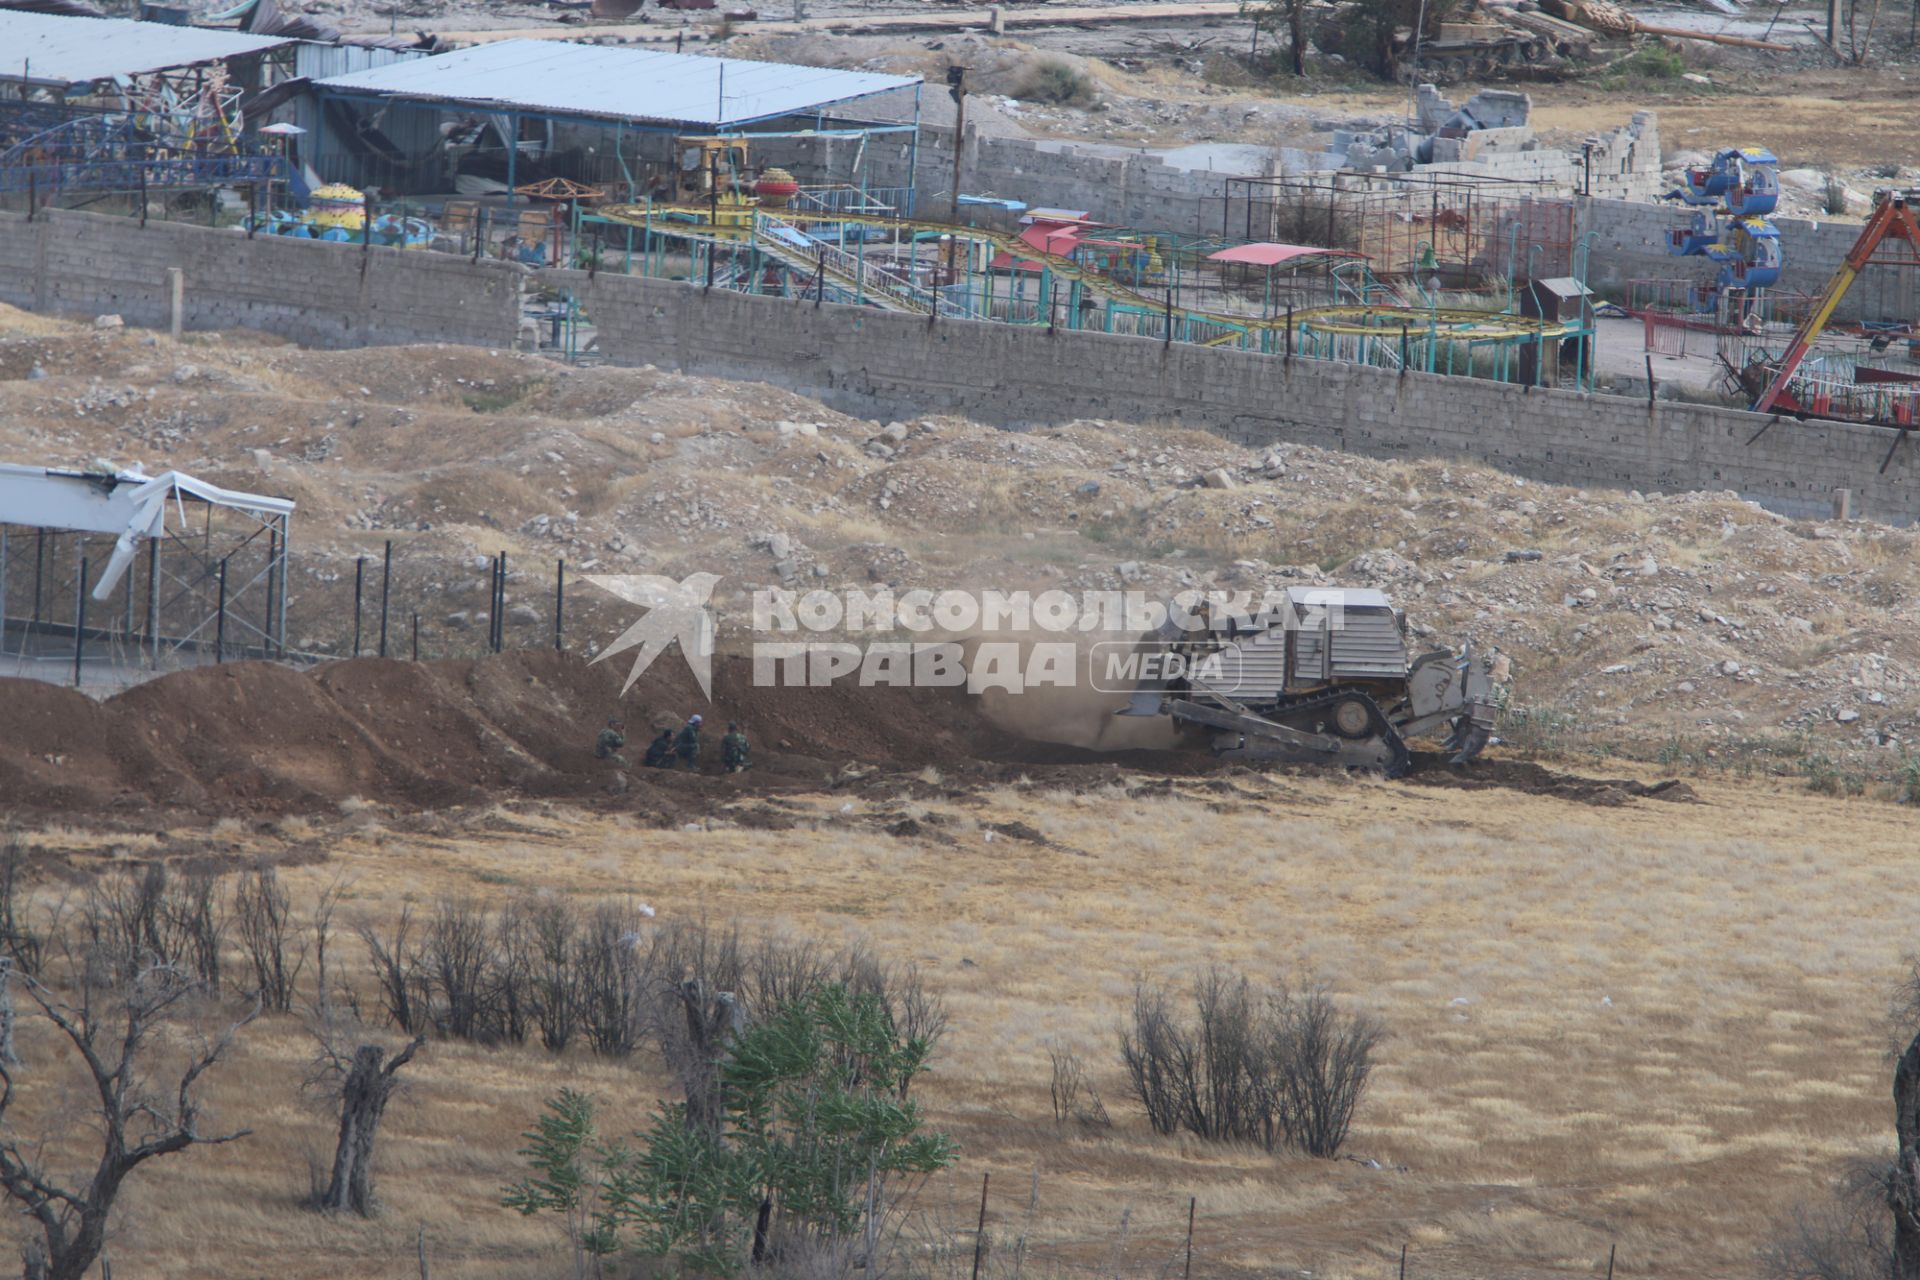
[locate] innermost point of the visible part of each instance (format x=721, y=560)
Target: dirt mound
x=259, y=737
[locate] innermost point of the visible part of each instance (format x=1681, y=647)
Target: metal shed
x=631, y=85
x=380, y=124
x=46, y=51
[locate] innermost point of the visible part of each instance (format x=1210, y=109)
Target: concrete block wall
x=1129, y=188
x=883, y=365
x=317, y=294
x=1631, y=243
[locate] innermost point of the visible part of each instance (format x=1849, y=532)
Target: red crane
x=1891, y=219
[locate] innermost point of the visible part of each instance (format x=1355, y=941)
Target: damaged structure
x=137, y=572
x=640, y=124
x=1490, y=136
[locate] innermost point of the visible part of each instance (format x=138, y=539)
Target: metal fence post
x=980, y=1232
x=493, y=598
x=273, y=563
x=359, y=576
x=80, y=622
x=153, y=600
x=559, y=604
x=386, y=582
x=220, y=626
x=500, y=608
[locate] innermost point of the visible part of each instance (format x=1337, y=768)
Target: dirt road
x=970, y=18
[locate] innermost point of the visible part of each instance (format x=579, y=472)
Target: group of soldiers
x=670, y=747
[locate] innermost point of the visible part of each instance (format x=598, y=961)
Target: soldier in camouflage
x=733, y=749
x=687, y=744
x=608, y=745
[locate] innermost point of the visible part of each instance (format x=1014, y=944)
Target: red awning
x=1052, y=237
x=1272, y=255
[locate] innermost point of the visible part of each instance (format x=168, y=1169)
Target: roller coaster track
x=1373, y=320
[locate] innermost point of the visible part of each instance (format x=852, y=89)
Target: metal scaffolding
x=127, y=573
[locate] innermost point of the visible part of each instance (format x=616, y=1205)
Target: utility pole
x=957, y=87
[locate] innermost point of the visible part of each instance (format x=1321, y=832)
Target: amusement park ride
x=1862, y=377
x=1742, y=185
x=732, y=225
x=1892, y=220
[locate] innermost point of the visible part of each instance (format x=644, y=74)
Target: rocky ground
x=1685, y=624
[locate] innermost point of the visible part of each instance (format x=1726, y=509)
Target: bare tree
x=613, y=969
x=17, y=936
x=191, y=909
x=367, y=1082
x=9, y=1056
x=555, y=926
x=511, y=994
x=126, y=925
x=113, y=1034
x=323, y=913
x=456, y=952
x=263, y=914
x=1154, y=1053
x=397, y=969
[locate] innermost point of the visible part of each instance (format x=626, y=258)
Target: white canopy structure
x=128, y=503
x=138, y=510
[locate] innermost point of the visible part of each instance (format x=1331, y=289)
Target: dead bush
x=554, y=932
x=1072, y=1092
x=1846, y=1237
x=456, y=956
x=263, y=917
x=1253, y=1063
x=613, y=970
x=397, y=971
x=1326, y=1058
x=1051, y=80
x=18, y=938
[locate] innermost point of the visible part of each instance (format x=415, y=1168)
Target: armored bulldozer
x=1320, y=676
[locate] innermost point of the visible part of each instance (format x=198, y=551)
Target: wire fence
x=179, y=606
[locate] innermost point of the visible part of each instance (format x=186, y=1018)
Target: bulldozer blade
x=1467, y=740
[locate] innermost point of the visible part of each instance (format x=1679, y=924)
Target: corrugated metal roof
x=37, y=48
x=620, y=84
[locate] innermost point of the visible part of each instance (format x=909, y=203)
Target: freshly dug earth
x=261, y=737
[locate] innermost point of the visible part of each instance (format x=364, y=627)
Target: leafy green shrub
x=815, y=1119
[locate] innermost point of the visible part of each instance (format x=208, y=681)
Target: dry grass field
x=1656, y=1025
